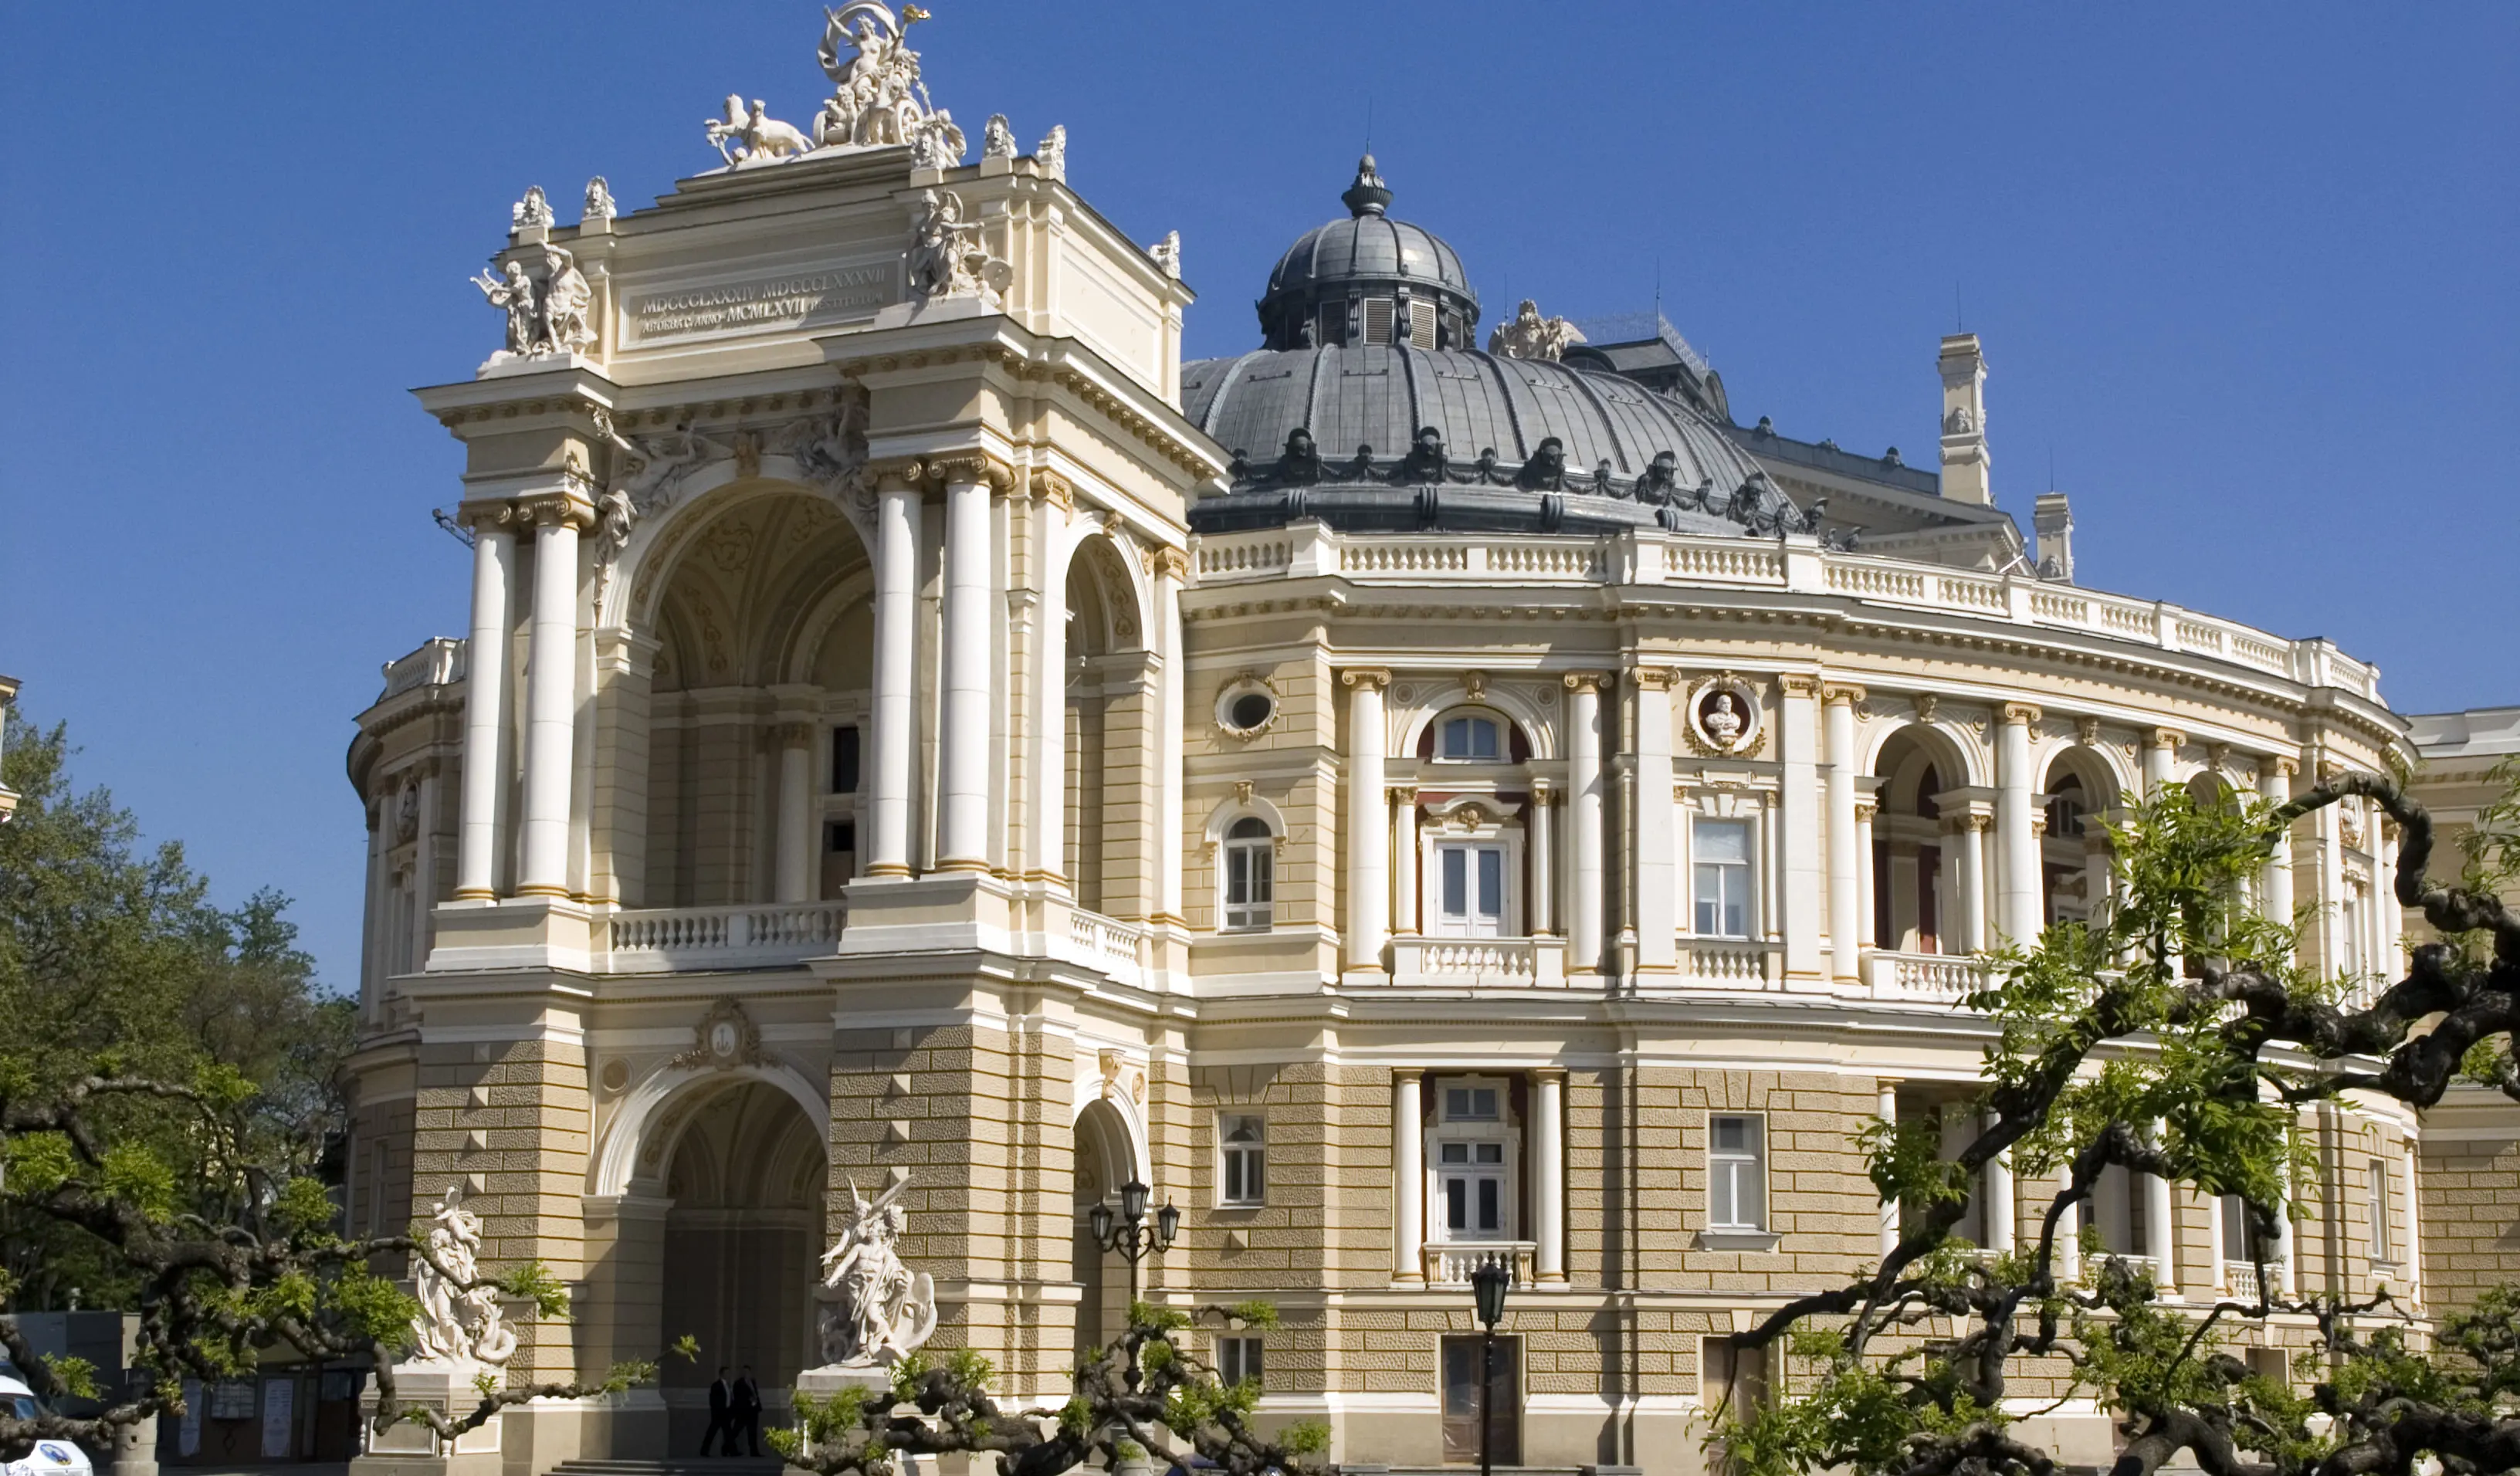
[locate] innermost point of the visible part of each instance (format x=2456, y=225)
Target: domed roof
x=1368, y=253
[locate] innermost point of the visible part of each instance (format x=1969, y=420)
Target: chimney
x=1966, y=467
x=2052, y=520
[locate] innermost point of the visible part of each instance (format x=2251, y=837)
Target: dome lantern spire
x=1368, y=195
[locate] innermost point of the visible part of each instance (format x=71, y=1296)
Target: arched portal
x=1105, y=1159
x=2079, y=791
x=1915, y=862
x=1111, y=717
x=746, y=1177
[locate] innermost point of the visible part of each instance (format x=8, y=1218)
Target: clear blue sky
x=2248, y=274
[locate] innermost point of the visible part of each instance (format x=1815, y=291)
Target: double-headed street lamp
x=1488, y=1285
x=1130, y=1237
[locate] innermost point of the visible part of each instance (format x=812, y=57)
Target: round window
x=1248, y=710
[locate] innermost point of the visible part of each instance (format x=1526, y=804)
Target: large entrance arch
x=1106, y=1158
x=745, y=1178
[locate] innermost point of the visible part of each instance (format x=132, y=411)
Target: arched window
x=1468, y=739
x=1250, y=874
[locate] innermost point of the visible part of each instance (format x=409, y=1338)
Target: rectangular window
x=1377, y=320
x=1469, y=1103
x=376, y=1189
x=1471, y=1180
x=1722, y=849
x=844, y=760
x=2384, y=1248
x=1251, y=883
x=1469, y=890
x=1238, y=1359
x=1243, y=1175
x=1736, y=1178
x=2238, y=1244
x=1460, y=1357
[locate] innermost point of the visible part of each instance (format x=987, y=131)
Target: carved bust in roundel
x=1723, y=716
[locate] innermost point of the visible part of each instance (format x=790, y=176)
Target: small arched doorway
x=745, y=1176
x=1105, y=1161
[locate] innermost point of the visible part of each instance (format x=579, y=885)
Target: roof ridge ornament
x=877, y=99
x=1529, y=335
x=1368, y=195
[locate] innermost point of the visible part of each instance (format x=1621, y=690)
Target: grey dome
x=1379, y=395
x=1366, y=255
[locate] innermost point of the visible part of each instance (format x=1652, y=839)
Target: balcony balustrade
x=1478, y=963
x=1945, y=978
x=675, y=939
x=1449, y=1262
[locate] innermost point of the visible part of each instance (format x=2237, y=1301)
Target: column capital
x=2275, y=765
x=1366, y=678
x=1847, y=692
x=791, y=734
x=1542, y=791
x=2038, y=824
x=1796, y=684
x=493, y=514
x=1548, y=1074
x=2024, y=713
x=1164, y=561
x=2164, y=737
x=1656, y=678
x=897, y=473
x=1583, y=681
x=1052, y=488
x=1866, y=807
x=548, y=509
x=1407, y=1073
x=1401, y=794
x=965, y=468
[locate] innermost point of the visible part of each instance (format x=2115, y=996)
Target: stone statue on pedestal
x=876, y=1310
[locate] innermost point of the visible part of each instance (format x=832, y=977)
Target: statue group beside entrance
x=875, y=1310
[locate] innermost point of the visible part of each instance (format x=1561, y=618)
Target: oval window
x=1248, y=710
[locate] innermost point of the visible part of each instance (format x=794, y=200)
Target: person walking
x=721, y=1414
x=747, y=1414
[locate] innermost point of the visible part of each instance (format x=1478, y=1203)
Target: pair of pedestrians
x=734, y=1408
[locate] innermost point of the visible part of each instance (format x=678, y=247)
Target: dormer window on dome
x=1369, y=280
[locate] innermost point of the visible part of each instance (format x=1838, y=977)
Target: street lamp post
x=1488, y=1284
x=1128, y=1235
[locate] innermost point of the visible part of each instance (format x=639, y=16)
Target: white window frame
x=1502, y=1131
x=1444, y=830
x=1502, y=725
x=1724, y=1165
x=2384, y=1237
x=1248, y=1157
x=1748, y=869
x=1241, y=1356
x=1257, y=855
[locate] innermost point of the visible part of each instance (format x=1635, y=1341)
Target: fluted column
x=795, y=854
x=487, y=759
x=1368, y=837
x=1803, y=893
x=894, y=739
x=1548, y=1175
x=2161, y=1225
x=963, y=726
x=550, y=694
x=1404, y=862
x=1656, y=902
x=1584, y=805
x=1999, y=1198
x=1408, y=1174
x=2017, y=876
x=1540, y=825
x=1846, y=903
x=1886, y=1109
x=1170, y=568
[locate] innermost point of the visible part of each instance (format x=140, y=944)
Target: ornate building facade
x=1403, y=803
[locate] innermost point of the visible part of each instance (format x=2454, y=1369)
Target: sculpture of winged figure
x=883, y=1310
x=457, y=1325
x=877, y=96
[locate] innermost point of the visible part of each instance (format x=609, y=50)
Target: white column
x=2069, y=1234
x=550, y=701
x=2332, y=912
x=1403, y=861
x=1369, y=836
x=1657, y=903
x=1867, y=884
x=484, y=817
x=1584, y=805
x=2287, y=1274
x=2161, y=758
x=1540, y=823
x=1999, y=1216
x=2017, y=875
x=1798, y=750
x=2215, y=1276
x=1970, y=882
x=2389, y=962
x=423, y=865
x=893, y=736
x=2161, y=1228
x=1049, y=802
x=1886, y=1107
x=1408, y=1174
x=1548, y=1175
x=793, y=871
x=963, y=729
x=379, y=916
x=1847, y=906
x=1170, y=566
x=2415, y=1255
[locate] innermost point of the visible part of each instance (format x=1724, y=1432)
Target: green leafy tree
x=2177, y=1006
x=1144, y=1394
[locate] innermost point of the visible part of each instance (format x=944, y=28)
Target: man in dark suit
x=720, y=1415
x=747, y=1414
